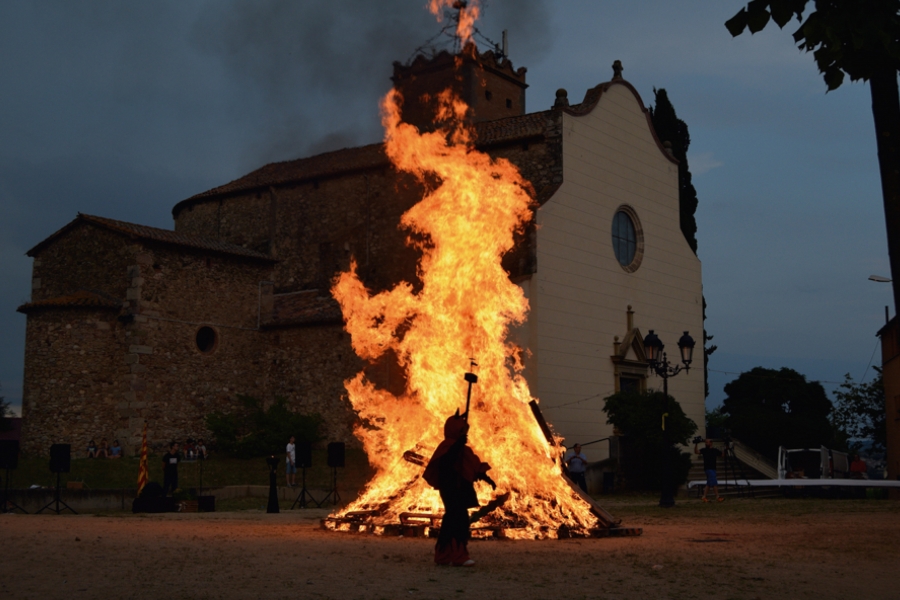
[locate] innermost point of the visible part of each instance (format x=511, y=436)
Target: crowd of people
x=193, y=449
x=104, y=450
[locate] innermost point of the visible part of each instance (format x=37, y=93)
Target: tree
x=671, y=129
x=637, y=416
x=5, y=414
x=255, y=431
x=707, y=352
x=715, y=418
x=859, y=38
x=766, y=409
x=859, y=412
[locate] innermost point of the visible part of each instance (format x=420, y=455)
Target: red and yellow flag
x=143, y=473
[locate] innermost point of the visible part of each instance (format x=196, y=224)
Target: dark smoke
x=319, y=69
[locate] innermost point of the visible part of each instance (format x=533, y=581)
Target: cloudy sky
x=122, y=109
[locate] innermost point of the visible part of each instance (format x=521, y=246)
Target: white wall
x=580, y=293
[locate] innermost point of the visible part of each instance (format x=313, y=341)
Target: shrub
x=254, y=431
x=639, y=417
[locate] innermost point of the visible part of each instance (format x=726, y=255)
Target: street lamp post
x=659, y=364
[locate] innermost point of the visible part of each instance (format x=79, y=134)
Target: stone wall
x=308, y=367
x=320, y=225
x=94, y=373
x=148, y=367
x=171, y=382
x=86, y=257
x=73, y=379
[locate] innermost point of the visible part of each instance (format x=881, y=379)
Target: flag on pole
x=143, y=473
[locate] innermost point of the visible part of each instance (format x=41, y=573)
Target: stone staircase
x=750, y=465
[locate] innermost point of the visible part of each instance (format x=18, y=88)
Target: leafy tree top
x=767, y=408
x=859, y=412
x=639, y=415
x=852, y=37
x=671, y=129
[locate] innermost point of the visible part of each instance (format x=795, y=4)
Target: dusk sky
x=122, y=109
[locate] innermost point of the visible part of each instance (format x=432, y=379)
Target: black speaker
x=60, y=458
x=9, y=454
x=304, y=455
x=336, y=454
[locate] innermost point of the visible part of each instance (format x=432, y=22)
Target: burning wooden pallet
x=485, y=523
x=427, y=524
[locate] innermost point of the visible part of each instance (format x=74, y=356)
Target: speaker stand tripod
x=333, y=494
x=6, y=508
x=56, y=501
x=735, y=466
x=304, y=493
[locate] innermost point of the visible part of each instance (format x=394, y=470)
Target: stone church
x=128, y=323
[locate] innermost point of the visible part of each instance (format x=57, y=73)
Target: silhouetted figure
x=170, y=468
x=709, y=455
x=452, y=470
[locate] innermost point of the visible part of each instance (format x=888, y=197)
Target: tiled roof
x=80, y=299
x=165, y=236
x=322, y=165
x=372, y=156
x=304, y=308
x=511, y=129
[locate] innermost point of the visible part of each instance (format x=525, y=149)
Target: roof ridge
x=326, y=164
x=147, y=232
x=78, y=299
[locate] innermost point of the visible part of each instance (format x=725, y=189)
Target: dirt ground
x=780, y=549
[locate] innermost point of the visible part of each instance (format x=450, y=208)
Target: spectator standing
x=576, y=465
x=115, y=450
x=290, y=468
x=709, y=455
x=170, y=468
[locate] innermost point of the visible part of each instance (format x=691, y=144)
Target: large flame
x=463, y=310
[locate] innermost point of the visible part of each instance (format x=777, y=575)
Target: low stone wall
x=90, y=501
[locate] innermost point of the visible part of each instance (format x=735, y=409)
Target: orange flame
x=468, y=14
x=464, y=309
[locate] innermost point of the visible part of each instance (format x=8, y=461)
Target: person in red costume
x=452, y=470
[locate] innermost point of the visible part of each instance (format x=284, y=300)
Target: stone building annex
x=128, y=323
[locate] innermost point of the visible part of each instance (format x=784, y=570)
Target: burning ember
x=462, y=312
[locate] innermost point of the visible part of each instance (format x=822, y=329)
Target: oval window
x=627, y=238
x=206, y=339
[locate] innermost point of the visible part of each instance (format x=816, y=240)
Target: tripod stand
x=6, y=501
x=304, y=493
x=736, y=467
x=333, y=494
x=57, y=501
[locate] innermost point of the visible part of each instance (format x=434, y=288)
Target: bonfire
x=457, y=318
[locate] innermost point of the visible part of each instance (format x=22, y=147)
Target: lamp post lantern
x=659, y=364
